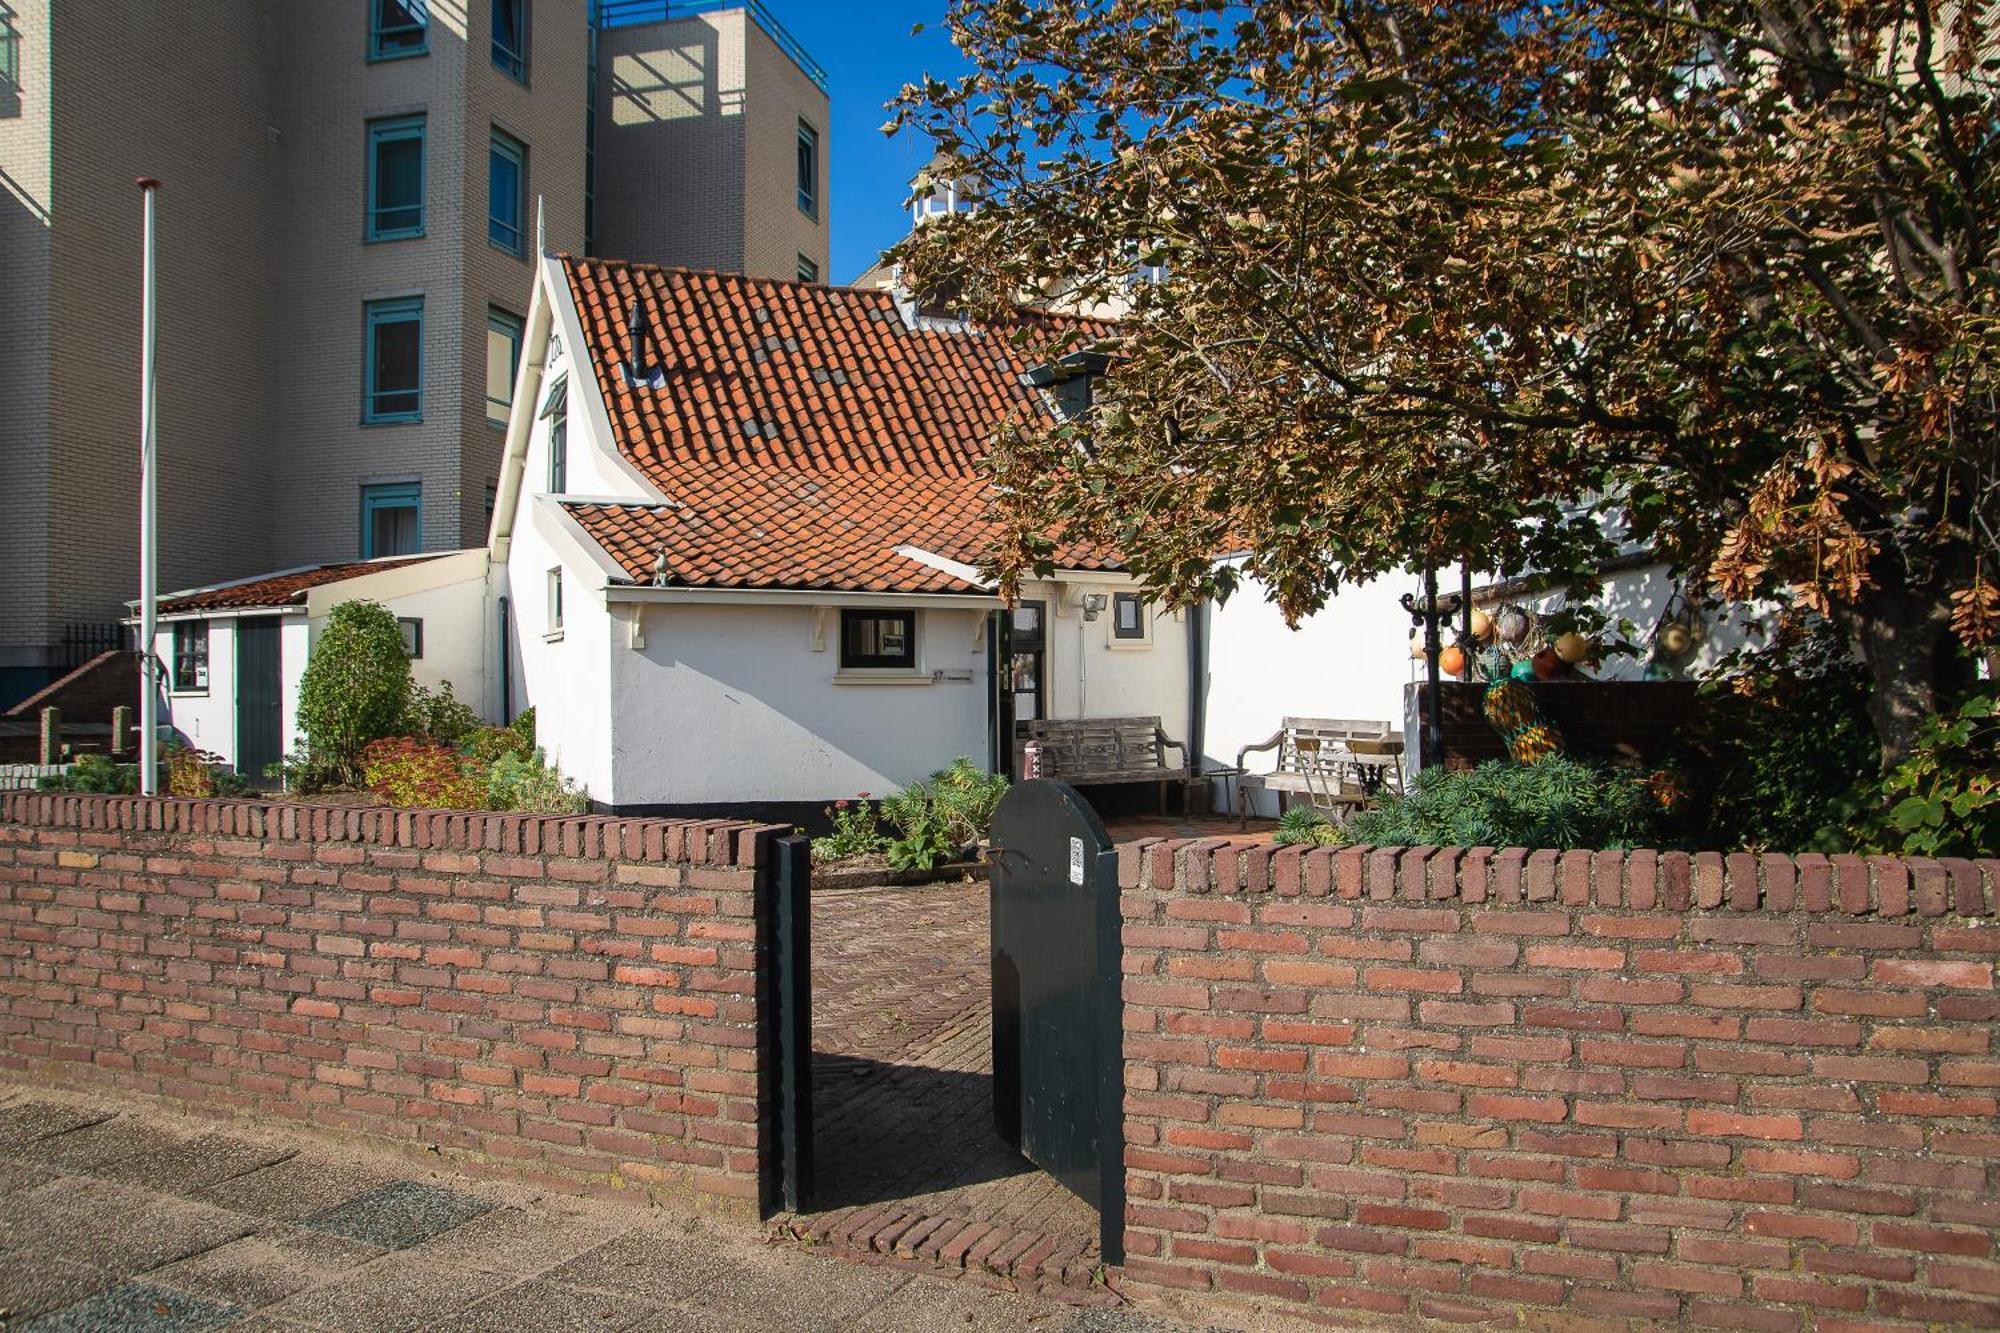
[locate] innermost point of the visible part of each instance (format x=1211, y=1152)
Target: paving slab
x=264, y=1268
x=514, y=1241
x=107, y=1225
x=784, y=1288
x=192, y=1164
x=17, y=1176
x=295, y=1188
x=33, y=1283
x=136, y=1307
x=927, y=1304
x=399, y=1214
x=386, y=1296
x=25, y=1121
x=93, y=1146
x=549, y=1307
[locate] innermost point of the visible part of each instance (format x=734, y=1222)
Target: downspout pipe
x=506, y=671
x=1197, y=642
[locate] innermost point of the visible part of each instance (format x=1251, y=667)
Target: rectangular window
x=412, y=628
x=808, y=271
x=391, y=520
x=808, y=170
x=1027, y=645
x=1128, y=616
x=556, y=409
x=555, y=601
x=510, y=38
x=878, y=638
x=190, y=656
x=395, y=178
x=393, y=388
x=506, y=192
x=503, y=358
x=398, y=28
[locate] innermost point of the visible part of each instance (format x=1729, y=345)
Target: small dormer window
x=1068, y=383
x=1072, y=397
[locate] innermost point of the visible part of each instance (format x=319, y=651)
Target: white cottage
x=233, y=654
x=736, y=534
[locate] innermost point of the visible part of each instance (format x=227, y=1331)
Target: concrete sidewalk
x=117, y=1215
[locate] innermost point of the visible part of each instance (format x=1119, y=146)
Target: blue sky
x=868, y=53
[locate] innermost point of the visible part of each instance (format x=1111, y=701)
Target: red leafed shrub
x=403, y=770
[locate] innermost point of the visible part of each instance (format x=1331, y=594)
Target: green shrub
x=1944, y=800
x=524, y=726
x=529, y=783
x=489, y=743
x=442, y=716
x=356, y=687
x=1782, y=754
x=937, y=818
x=1558, y=802
x=95, y=774
x=200, y=774
x=303, y=774
x=857, y=831
x=1304, y=826
x=411, y=771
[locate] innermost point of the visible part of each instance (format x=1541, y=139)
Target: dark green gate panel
x=260, y=718
x=1058, y=1038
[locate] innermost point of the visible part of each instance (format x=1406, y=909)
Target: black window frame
x=853, y=659
x=189, y=635
x=808, y=269
x=1121, y=600
x=412, y=629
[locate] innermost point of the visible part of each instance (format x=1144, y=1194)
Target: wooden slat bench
x=1097, y=751
x=1316, y=757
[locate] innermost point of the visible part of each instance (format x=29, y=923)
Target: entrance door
x=259, y=693
x=1058, y=1048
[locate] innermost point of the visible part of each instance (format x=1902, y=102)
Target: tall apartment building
x=346, y=236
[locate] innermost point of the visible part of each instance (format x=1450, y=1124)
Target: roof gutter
x=625, y=592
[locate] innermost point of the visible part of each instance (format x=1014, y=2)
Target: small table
x=1375, y=758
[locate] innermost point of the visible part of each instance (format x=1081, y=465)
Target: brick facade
x=1733, y=1091
x=568, y=1000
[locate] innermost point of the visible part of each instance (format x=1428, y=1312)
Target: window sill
x=201, y=693
x=385, y=238
x=380, y=57
x=883, y=676
x=553, y=636
x=1129, y=645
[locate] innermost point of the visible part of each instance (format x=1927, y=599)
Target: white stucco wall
x=564, y=676
x=294, y=647
x=731, y=703
x=1641, y=595
x=207, y=718
x=1093, y=673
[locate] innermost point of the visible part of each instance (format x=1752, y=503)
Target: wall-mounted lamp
x=1093, y=605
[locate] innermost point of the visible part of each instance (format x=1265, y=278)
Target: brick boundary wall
x=570, y=1000
x=1563, y=1090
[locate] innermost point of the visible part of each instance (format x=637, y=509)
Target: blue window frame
x=394, y=357
x=395, y=178
x=510, y=38
x=503, y=358
x=398, y=28
x=392, y=520
x=506, y=192
x=809, y=171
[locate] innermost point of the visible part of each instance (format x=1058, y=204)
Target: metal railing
x=631, y=13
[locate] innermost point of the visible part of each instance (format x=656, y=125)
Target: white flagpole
x=149, y=536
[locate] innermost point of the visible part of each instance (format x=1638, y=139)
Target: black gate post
x=786, y=914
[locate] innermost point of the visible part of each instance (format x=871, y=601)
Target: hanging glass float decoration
x=1675, y=636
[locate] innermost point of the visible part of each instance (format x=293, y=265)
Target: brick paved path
x=903, y=1104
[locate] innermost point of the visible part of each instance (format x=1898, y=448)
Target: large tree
x=1470, y=277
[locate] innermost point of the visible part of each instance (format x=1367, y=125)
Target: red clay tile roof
x=285, y=589
x=803, y=432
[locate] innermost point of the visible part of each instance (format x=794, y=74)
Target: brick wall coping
x=1638, y=879
x=714, y=842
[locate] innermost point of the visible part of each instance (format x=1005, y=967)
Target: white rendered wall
x=1641, y=596
x=455, y=640
x=732, y=704
x=206, y=718
x=1092, y=673
x=566, y=677
x=295, y=638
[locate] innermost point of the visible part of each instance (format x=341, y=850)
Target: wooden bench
x=1317, y=756
x=1096, y=751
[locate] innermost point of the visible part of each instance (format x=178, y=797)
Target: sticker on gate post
x=1076, y=861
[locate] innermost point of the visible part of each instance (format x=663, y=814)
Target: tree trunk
x=1906, y=643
